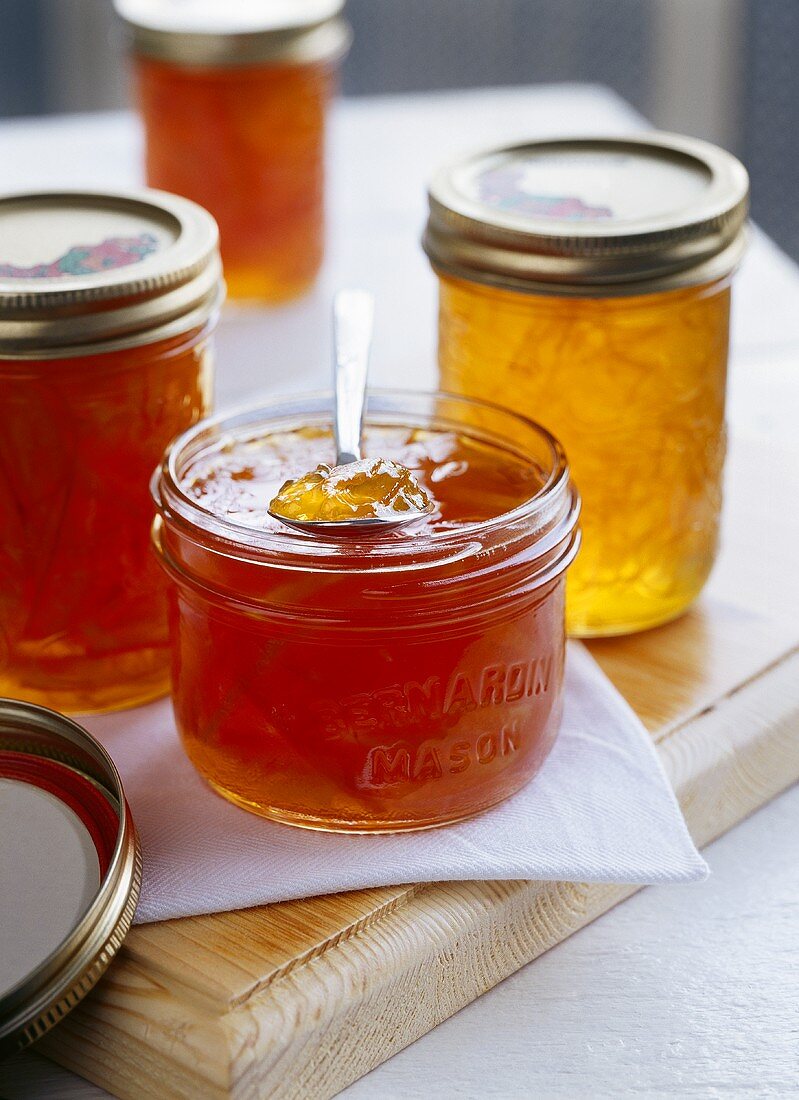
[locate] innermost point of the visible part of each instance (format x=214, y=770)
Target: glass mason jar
x=234, y=98
x=108, y=307
x=586, y=282
x=374, y=685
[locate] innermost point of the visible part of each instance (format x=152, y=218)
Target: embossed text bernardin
x=402, y=705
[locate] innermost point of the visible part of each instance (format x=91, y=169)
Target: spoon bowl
x=353, y=314
x=368, y=525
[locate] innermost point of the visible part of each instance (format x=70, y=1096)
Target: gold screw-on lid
x=83, y=272
x=590, y=216
x=228, y=33
x=71, y=868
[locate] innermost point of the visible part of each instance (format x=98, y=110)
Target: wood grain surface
x=302, y=998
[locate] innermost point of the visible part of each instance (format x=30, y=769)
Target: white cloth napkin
x=600, y=810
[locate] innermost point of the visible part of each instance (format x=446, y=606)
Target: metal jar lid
x=84, y=272
x=590, y=216
x=228, y=33
x=70, y=868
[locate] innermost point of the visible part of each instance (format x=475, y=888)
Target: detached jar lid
x=70, y=868
x=82, y=272
x=590, y=216
x=222, y=33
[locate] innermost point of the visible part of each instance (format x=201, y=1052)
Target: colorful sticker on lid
x=85, y=259
x=505, y=188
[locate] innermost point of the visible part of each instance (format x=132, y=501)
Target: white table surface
x=681, y=991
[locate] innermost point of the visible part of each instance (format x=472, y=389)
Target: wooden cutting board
x=300, y=999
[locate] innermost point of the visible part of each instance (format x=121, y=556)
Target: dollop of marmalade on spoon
x=374, y=488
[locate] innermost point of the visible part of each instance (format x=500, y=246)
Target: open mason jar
x=234, y=98
x=368, y=684
x=107, y=308
x=586, y=282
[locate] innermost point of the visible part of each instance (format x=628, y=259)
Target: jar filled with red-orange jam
x=368, y=682
x=586, y=283
x=234, y=97
x=107, y=307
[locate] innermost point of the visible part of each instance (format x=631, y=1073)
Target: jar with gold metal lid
x=586, y=283
x=234, y=99
x=107, y=308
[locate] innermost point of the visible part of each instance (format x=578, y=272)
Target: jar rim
x=553, y=505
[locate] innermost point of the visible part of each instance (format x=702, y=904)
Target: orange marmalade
x=234, y=102
x=587, y=283
x=379, y=683
x=97, y=374
x=372, y=488
x=635, y=388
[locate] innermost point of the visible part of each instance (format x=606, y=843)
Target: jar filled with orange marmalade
x=107, y=307
x=368, y=683
x=586, y=283
x=234, y=97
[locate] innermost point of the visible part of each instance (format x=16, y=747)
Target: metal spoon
x=353, y=313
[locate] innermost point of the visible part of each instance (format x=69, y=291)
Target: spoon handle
x=353, y=311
